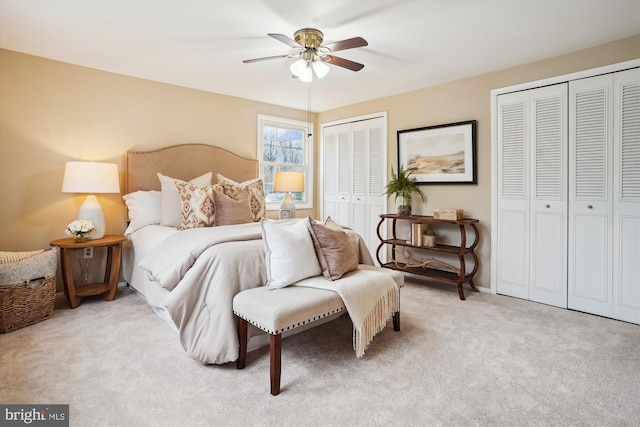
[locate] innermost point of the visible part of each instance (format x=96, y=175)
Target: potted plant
x=403, y=186
x=429, y=239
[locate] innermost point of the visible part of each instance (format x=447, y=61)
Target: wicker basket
x=26, y=303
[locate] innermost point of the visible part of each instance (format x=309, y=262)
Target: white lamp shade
x=288, y=181
x=91, y=177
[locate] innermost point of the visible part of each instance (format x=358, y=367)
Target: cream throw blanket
x=370, y=296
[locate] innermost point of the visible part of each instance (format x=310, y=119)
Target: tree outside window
x=284, y=145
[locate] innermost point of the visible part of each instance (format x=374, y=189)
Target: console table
x=456, y=275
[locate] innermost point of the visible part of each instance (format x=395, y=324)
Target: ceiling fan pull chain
x=309, y=134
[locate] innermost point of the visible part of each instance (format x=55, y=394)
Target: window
x=285, y=145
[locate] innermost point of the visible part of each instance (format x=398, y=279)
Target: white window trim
x=308, y=181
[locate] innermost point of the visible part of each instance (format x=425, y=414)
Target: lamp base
x=91, y=210
x=289, y=204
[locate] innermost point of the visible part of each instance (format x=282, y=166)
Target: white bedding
x=140, y=244
x=198, y=301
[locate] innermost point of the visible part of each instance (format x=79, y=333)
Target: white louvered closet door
x=532, y=206
x=368, y=168
x=377, y=180
x=343, y=212
x=330, y=172
x=591, y=193
x=626, y=196
x=568, y=195
x=359, y=170
x=548, y=197
x=513, y=195
x=336, y=178
x=354, y=173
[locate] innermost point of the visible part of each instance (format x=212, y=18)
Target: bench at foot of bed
x=280, y=310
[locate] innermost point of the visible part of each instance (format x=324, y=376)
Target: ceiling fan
x=313, y=55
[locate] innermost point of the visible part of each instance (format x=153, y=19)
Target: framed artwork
x=441, y=154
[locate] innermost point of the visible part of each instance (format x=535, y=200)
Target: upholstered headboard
x=185, y=161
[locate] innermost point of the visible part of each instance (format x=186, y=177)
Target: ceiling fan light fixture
x=307, y=75
x=313, y=55
x=298, y=67
x=320, y=68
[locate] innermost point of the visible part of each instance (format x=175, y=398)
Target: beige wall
x=51, y=112
x=469, y=99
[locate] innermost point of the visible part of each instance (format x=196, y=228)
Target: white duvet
x=202, y=270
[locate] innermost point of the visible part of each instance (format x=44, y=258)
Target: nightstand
x=108, y=288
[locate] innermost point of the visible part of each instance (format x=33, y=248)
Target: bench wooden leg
x=242, y=337
x=275, y=350
x=396, y=321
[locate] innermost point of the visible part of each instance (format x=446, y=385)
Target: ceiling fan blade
x=347, y=44
x=284, y=39
x=344, y=63
x=266, y=58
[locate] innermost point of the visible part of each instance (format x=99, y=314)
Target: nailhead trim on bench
x=318, y=317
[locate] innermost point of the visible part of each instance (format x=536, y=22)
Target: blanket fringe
x=376, y=320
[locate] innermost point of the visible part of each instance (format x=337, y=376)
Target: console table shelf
x=458, y=277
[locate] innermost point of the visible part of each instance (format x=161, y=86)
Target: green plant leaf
x=403, y=185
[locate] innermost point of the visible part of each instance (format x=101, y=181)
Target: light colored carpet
x=490, y=360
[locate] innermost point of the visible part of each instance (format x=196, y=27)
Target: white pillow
x=145, y=208
x=290, y=256
x=171, y=198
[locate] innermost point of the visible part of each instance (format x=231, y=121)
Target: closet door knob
x=589, y=207
x=547, y=206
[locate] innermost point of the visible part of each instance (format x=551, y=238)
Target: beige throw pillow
x=197, y=206
x=232, y=211
x=254, y=187
x=333, y=248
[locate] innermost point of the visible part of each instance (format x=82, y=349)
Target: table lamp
x=289, y=182
x=91, y=177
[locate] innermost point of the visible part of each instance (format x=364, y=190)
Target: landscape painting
x=441, y=154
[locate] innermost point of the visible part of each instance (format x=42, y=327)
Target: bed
x=190, y=276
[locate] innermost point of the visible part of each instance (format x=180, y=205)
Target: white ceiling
x=413, y=44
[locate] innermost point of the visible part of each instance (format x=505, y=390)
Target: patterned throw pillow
x=171, y=199
x=255, y=187
x=197, y=206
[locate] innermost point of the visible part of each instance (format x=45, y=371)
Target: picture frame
x=440, y=154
